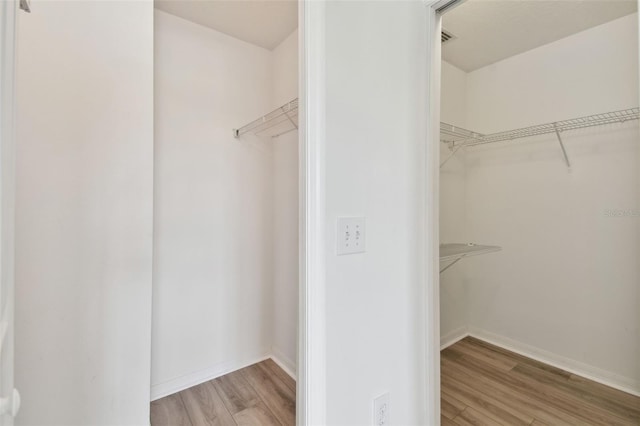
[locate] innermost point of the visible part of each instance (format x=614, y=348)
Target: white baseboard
x=604, y=377
x=284, y=362
x=181, y=383
x=453, y=337
x=189, y=380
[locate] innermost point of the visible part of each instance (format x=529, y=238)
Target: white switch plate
x=351, y=235
x=381, y=410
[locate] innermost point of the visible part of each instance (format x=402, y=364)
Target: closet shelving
x=276, y=123
x=458, y=138
x=453, y=253
x=285, y=119
x=454, y=135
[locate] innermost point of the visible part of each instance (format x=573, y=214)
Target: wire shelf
x=560, y=126
x=454, y=134
x=458, y=138
x=276, y=123
x=285, y=119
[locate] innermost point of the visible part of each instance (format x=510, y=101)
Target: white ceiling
x=488, y=31
x=265, y=23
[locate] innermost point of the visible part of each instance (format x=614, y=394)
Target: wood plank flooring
x=261, y=394
x=483, y=384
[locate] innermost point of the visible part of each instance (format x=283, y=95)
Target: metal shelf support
x=453, y=253
x=564, y=151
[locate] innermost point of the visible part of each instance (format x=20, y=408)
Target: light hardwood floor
x=261, y=394
x=481, y=385
x=486, y=385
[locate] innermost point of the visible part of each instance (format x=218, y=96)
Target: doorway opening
x=537, y=189
x=226, y=213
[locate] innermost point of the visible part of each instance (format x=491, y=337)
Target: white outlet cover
x=381, y=410
x=351, y=236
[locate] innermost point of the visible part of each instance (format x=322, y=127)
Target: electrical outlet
x=351, y=235
x=381, y=410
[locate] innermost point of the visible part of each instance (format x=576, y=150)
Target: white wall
x=374, y=157
x=453, y=287
x=285, y=213
x=285, y=70
x=565, y=285
x=453, y=96
x=84, y=212
x=590, y=72
x=213, y=262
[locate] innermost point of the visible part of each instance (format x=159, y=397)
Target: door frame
x=9, y=398
x=311, y=380
x=431, y=269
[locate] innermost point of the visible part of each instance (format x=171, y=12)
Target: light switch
x=351, y=235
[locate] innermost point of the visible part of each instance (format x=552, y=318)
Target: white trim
x=604, y=377
x=8, y=18
x=311, y=389
x=599, y=375
x=431, y=207
x=181, y=383
x=287, y=364
x=453, y=337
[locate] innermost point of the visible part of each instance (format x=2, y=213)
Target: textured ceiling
x=488, y=31
x=265, y=23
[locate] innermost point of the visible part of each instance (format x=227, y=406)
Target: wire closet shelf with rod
x=458, y=138
x=278, y=122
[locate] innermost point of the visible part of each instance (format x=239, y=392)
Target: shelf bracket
x=453, y=152
x=451, y=264
x=564, y=151
x=290, y=119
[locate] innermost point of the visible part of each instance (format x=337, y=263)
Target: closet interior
x=539, y=209
x=225, y=281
